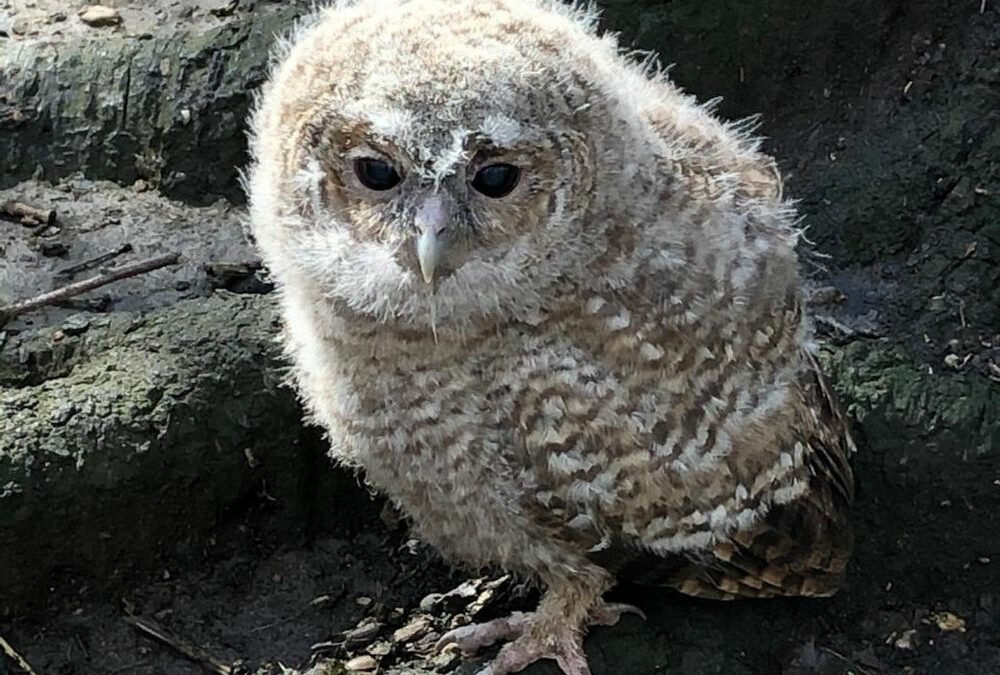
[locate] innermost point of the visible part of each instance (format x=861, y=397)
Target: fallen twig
x=318, y=601
x=18, y=659
x=847, y=661
x=842, y=330
x=95, y=261
x=125, y=271
x=184, y=647
x=27, y=214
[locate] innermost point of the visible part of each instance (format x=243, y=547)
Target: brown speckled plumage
x=611, y=370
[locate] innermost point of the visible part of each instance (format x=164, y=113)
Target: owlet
x=550, y=306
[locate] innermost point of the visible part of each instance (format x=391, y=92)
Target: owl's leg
x=554, y=631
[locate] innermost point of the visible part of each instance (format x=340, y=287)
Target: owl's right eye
x=376, y=174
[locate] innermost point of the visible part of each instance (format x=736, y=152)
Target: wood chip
x=361, y=664
x=28, y=215
x=414, y=630
x=365, y=631
x=948, y=622
x=905, y=641
x=380, y=648
x=100, y=15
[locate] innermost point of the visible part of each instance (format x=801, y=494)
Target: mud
x=886, y=120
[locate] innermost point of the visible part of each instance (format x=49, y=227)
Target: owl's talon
x=610, y=613
x=473, y=637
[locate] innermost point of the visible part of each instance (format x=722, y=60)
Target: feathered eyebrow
x=390, y=122
x=503, y=131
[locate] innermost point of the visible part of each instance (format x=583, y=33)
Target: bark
x=135, y=440
x=167, y=105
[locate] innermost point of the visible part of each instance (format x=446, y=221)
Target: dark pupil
x=375, y=174
x=496, y=180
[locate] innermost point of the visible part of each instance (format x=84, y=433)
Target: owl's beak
x=431, y=221
x=429, y=247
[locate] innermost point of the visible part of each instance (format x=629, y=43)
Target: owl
x=551, y=307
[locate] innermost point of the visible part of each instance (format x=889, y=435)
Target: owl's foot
x=475, y=636
x=562, y=644
x=566, y=647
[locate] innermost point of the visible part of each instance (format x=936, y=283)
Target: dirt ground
x=886, y=119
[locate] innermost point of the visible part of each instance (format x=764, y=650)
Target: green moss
x=884, y=390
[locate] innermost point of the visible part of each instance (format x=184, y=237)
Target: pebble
x=414, y=630
x=76, y=325
x=220, y=7
x=361, y=664
x=445, y=659
x=54, y=249
x=100, y=15
x=62, y=415
x=49, y=231
x=380, y=648
x=431, y=601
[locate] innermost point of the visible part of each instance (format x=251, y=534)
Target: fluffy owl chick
x=551, y=307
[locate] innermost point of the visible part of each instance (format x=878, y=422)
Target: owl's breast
x=431, y=428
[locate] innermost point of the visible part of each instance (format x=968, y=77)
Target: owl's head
x=439, y=161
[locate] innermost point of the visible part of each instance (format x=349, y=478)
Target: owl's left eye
x=376, y=174
x=496, y=180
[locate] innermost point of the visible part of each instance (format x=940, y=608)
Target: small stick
x=18, y=659
x=842, y=328
x=27, y=214
x=118, y=273
x=95, y=261
x=185, y=648
x=846, y=661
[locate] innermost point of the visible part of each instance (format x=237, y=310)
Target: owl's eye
x=496, y=180
x=376, y=174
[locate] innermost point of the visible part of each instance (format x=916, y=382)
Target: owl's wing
x=798, y=548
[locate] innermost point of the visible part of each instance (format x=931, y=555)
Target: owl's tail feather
x=798, y=549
